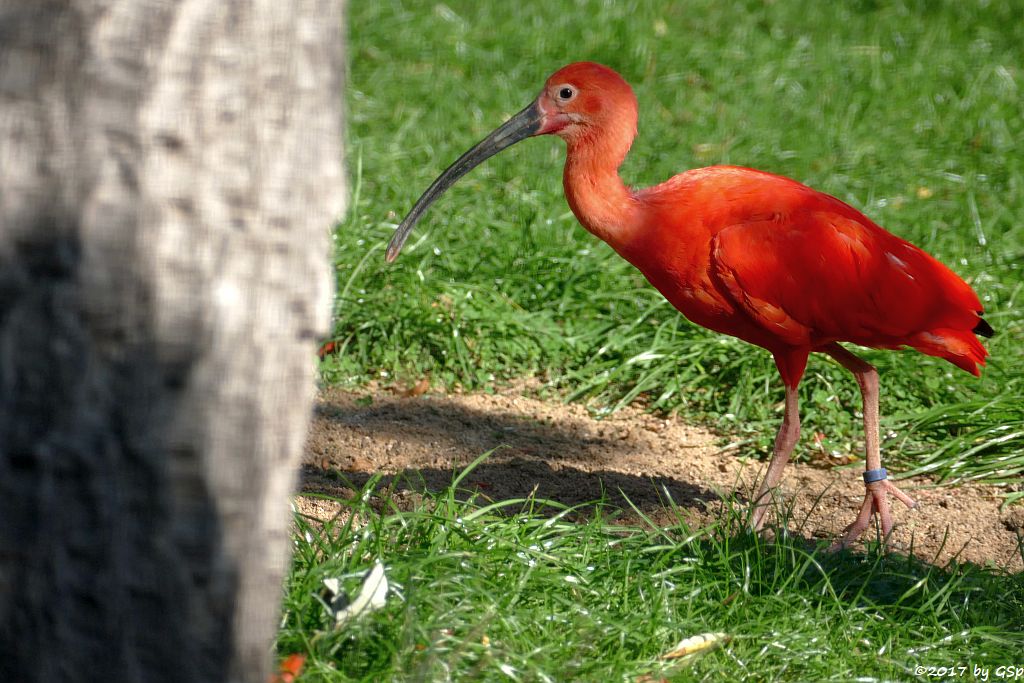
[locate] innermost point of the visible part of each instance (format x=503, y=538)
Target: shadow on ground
x=553, y=452
x=663, y=468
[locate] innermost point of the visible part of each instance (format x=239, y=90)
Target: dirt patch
x=559, y=452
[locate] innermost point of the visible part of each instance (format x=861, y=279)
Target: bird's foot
x=876, y=501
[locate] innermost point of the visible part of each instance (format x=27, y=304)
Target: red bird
x=750, y=254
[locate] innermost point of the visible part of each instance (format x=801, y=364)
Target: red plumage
x=780, y=265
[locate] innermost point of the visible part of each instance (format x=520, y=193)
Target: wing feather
x=822, y=276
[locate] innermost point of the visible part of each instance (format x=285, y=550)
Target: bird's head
x=581, y=98
x=580, y=102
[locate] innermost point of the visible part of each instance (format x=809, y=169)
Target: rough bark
x=169, y=172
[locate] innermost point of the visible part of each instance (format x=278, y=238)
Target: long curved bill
x=519, y=127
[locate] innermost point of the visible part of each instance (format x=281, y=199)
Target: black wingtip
x=983, y=328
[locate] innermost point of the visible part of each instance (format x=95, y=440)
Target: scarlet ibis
x=750, y=254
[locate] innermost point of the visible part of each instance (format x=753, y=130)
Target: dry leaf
x=326, y=349
x=289, y=669
x=421, y=387
x=689, y=648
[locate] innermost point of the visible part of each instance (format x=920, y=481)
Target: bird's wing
x=827, y=275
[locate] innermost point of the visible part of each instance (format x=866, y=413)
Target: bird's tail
x=959, y=347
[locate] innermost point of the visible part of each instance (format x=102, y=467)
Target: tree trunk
x=169, y=172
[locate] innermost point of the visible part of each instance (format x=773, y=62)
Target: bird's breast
x=675, y=256
x=680, y=271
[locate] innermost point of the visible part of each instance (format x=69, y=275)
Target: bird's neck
x=596, y=194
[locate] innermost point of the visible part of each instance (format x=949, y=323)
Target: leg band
x=871, y=476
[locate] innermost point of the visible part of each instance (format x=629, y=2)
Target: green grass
x=911, y=111
x=514, y=591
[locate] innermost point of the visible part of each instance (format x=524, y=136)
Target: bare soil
x=559, y=452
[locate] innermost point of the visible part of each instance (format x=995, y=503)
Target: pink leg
x=785, y=441
x=876, y=498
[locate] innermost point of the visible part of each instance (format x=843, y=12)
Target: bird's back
x=782, y=265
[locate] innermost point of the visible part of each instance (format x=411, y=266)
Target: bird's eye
x=566, y=93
